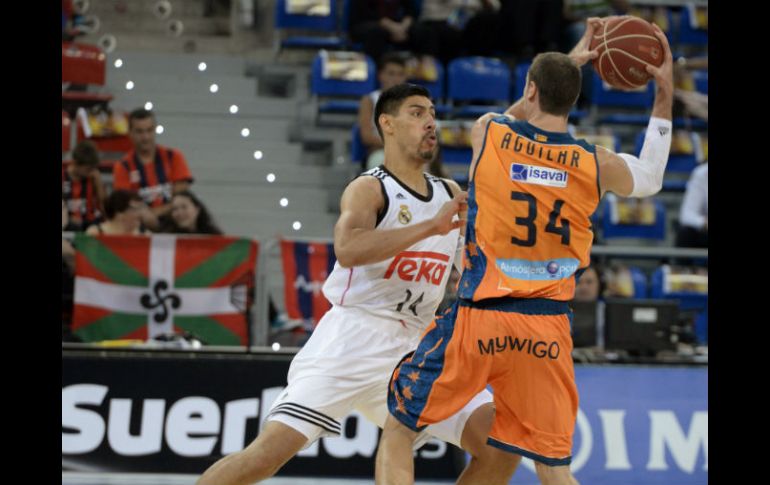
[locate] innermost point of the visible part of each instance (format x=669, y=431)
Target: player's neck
x=549, y=122
x=407, y=171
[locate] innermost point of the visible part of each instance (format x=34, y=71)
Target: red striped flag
x=306, y=265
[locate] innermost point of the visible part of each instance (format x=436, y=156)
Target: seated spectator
x=576, y=12
x=155, y=172
x=124, y=215
x=189, y=216
x=694, y=213
x=687, y=100
x=381, y=24
x=589, y=287
x=450, y=28
x=390, y=72
x=82, y=188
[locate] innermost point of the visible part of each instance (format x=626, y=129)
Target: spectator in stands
x=155, y=172
x=687, y=100
x=450, y=28
x=124, y=215
x=529, y=27
x=589, y=286
x=82, y=188
x=694, y=212
x=189, y=216
x=390, y=71
x=381, y=24
x=576, y=12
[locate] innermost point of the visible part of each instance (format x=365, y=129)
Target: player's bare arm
x=358, y=242
x=477, y=138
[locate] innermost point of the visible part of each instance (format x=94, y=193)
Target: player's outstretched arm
x=627, y=175
x=358, y=242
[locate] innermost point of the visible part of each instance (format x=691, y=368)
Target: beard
x=427, y=155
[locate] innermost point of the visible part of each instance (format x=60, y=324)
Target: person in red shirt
x=153, y=171
x=82, y=189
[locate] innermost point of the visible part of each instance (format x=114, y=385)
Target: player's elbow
x=346, y=257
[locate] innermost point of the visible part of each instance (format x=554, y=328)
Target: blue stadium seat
x=701, y=79
x=688, y=35
x=677, y=163
x=688, y=300
x=347, y=93
x=322, y=23
x=640, y=282
x=478, y=79
x=656, y=231
x=436, y=87
x=357, y=148
x=603, y=95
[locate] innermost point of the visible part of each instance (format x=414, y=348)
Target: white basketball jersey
x=409, y=286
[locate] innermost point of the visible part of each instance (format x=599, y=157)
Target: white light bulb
x=245, y=132
x=118, y=63
x=159, y=129
x=202, y=66
x=284, y=202
x=258, y=155
x=130, y=85
x=214, y=88
x=233, y=109
x=271, y=177
x=297, y=225
x=276, y=346
x=148, y=106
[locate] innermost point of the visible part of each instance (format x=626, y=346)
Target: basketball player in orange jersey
x=532, y=190
x=395, y=241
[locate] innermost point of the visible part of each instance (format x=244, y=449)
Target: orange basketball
x=626, y=44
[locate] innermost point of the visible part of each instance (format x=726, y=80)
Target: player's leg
x=275, y=445
x=395, y=464
x=488, y=465
x=427, y=387
x=535, y=394
x=555, y=475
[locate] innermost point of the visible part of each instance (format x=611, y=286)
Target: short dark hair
x=85, y=154
x=558, y=82
x=139, y=114
x=390, y=100
x=119, y=201
x=391, y=58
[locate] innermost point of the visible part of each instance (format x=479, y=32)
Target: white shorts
x=346, y=365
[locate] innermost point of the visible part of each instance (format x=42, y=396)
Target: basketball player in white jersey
x=395, y=243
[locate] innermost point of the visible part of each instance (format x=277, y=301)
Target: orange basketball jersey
x=530, y=200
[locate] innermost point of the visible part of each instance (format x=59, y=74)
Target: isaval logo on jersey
x=532, y=174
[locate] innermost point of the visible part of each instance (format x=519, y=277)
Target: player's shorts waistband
x=525, y=306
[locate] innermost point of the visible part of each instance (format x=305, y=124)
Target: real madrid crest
x=404, y=216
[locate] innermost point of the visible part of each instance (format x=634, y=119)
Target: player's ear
x=531, y=91
x=386, y=123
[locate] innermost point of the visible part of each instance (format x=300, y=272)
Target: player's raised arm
x=627, y=175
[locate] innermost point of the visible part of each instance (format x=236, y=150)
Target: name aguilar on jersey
x=540, y=151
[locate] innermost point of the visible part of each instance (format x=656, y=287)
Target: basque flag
x=306, y=266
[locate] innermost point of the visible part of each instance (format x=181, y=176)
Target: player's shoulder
x=367, y=185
